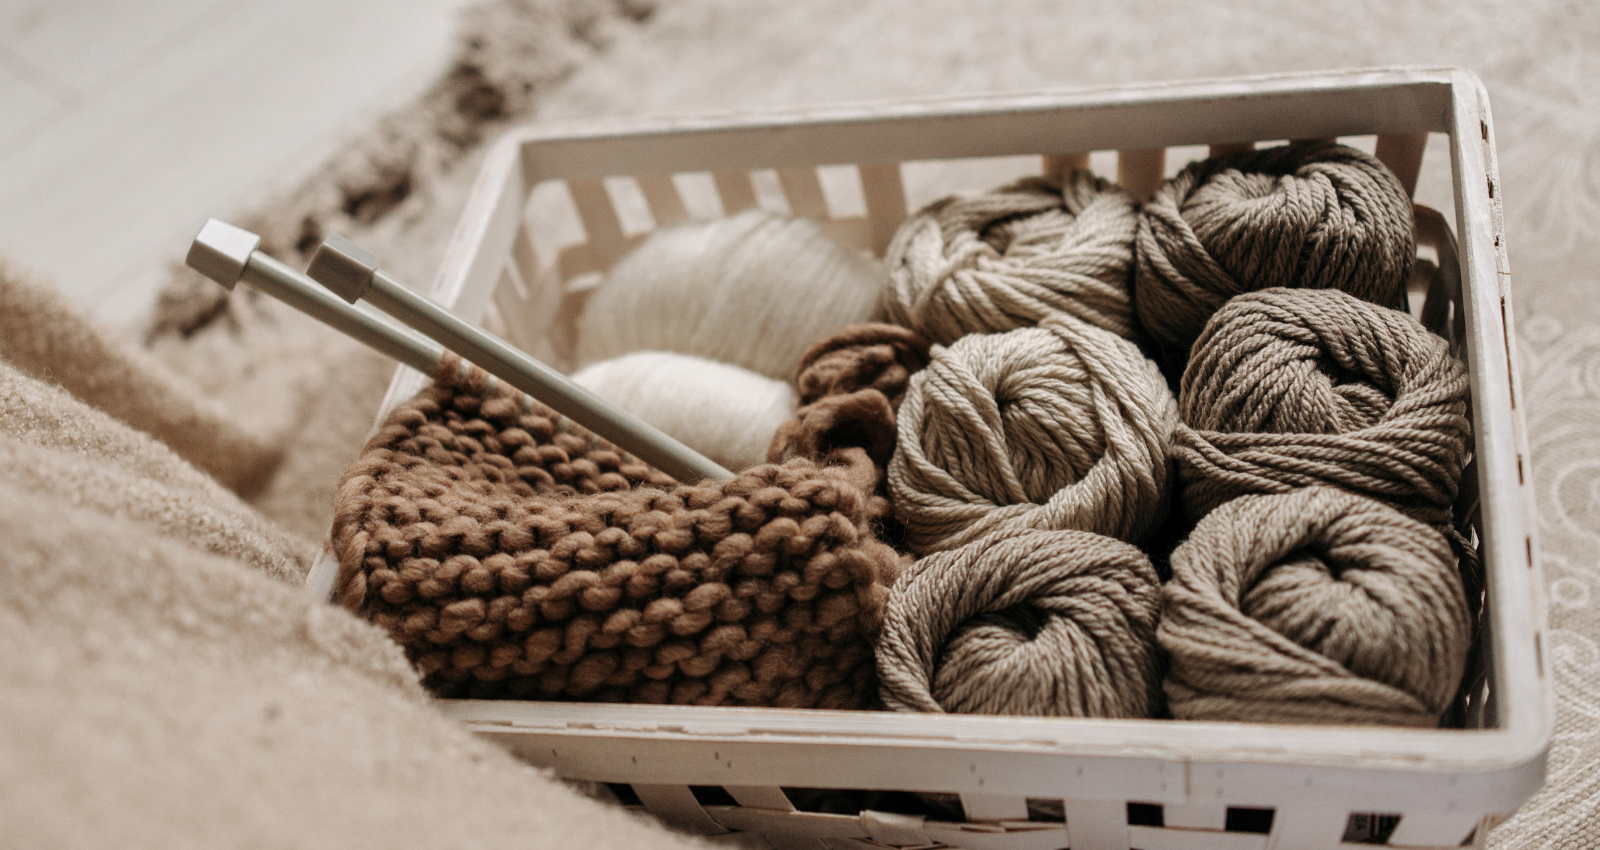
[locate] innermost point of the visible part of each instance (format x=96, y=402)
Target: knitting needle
x=228, y=255
x=352, y=273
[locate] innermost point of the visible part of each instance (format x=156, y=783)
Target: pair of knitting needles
x=228, y=255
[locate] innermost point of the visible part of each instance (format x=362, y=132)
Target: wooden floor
x=124, y=124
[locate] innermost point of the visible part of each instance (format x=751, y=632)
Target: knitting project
x=514, y=554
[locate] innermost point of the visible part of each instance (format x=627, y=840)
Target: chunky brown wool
x=513, y=554
x=1314, y=215
x=874, y=356
x=850, y=386
x=1293, y=388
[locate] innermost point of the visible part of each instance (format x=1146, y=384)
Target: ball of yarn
x=1042, y=623
x=1010, y=257
x=850, y=385
x=512, y=558
x=1061, y=426
x=724, y=412
x=754, y=290
x=1316, y=606
x=1291, y=388
x=1306, y=216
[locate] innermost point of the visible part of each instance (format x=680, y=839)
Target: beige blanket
x=167, y=683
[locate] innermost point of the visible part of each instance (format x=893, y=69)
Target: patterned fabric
x=1561, y=375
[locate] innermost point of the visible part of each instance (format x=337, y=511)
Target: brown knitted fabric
x=1292, y=388
x=512, y=554
x=1310, y=215
x=873, y=356
x=850, y=386
x=1316, y=606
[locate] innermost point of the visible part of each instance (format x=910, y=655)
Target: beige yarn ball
x=1313, y=215
x=1041, y=623
x=724, y=412
x=1314, y=606
x=1008, y=258
x=1063, y=426
x=754, y=290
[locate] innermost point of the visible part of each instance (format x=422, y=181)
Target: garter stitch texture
x=512, y=556
x=1007, y=258
x=1065, y=425
x=1306, y=216
x=1316, y=606
x=1042, y=623
x=850, y=385
x=1291, y=388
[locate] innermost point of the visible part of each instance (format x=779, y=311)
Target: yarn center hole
x=1052, y=438
x=1337, y=607
x=1362, y=403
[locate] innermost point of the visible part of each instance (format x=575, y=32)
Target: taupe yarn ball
x=1293, y=388
x=1306, y=216
x=1007, y=258
x=1063, y=426
x=1042, y=623
x=1316, y=606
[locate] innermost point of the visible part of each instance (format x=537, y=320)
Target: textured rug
x=399, y=188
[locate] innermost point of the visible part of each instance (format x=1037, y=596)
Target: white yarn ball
x=754, y=289
x=724, y=412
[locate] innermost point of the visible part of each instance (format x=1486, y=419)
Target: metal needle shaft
x=228, y=255
x=352, y=273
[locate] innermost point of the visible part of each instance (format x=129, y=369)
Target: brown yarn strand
x=1306, y=216
x=513, y=554
x=1316, y=606
x=1293, y=388
x=1061, y=426
x=1042, y=623
x=849, y=386
x=1008, y=258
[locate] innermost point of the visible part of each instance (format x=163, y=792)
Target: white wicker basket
x=556, y=203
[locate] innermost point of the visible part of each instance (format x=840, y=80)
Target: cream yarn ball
x=754, y=290
x=724, y=412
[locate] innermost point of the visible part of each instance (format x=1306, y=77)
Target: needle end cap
x=343, y=267
x=221, y=251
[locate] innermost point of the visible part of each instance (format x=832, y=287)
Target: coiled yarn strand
x=1063, y=426
x=1005, y=259
x=1316, y=606
x=1313, y=215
